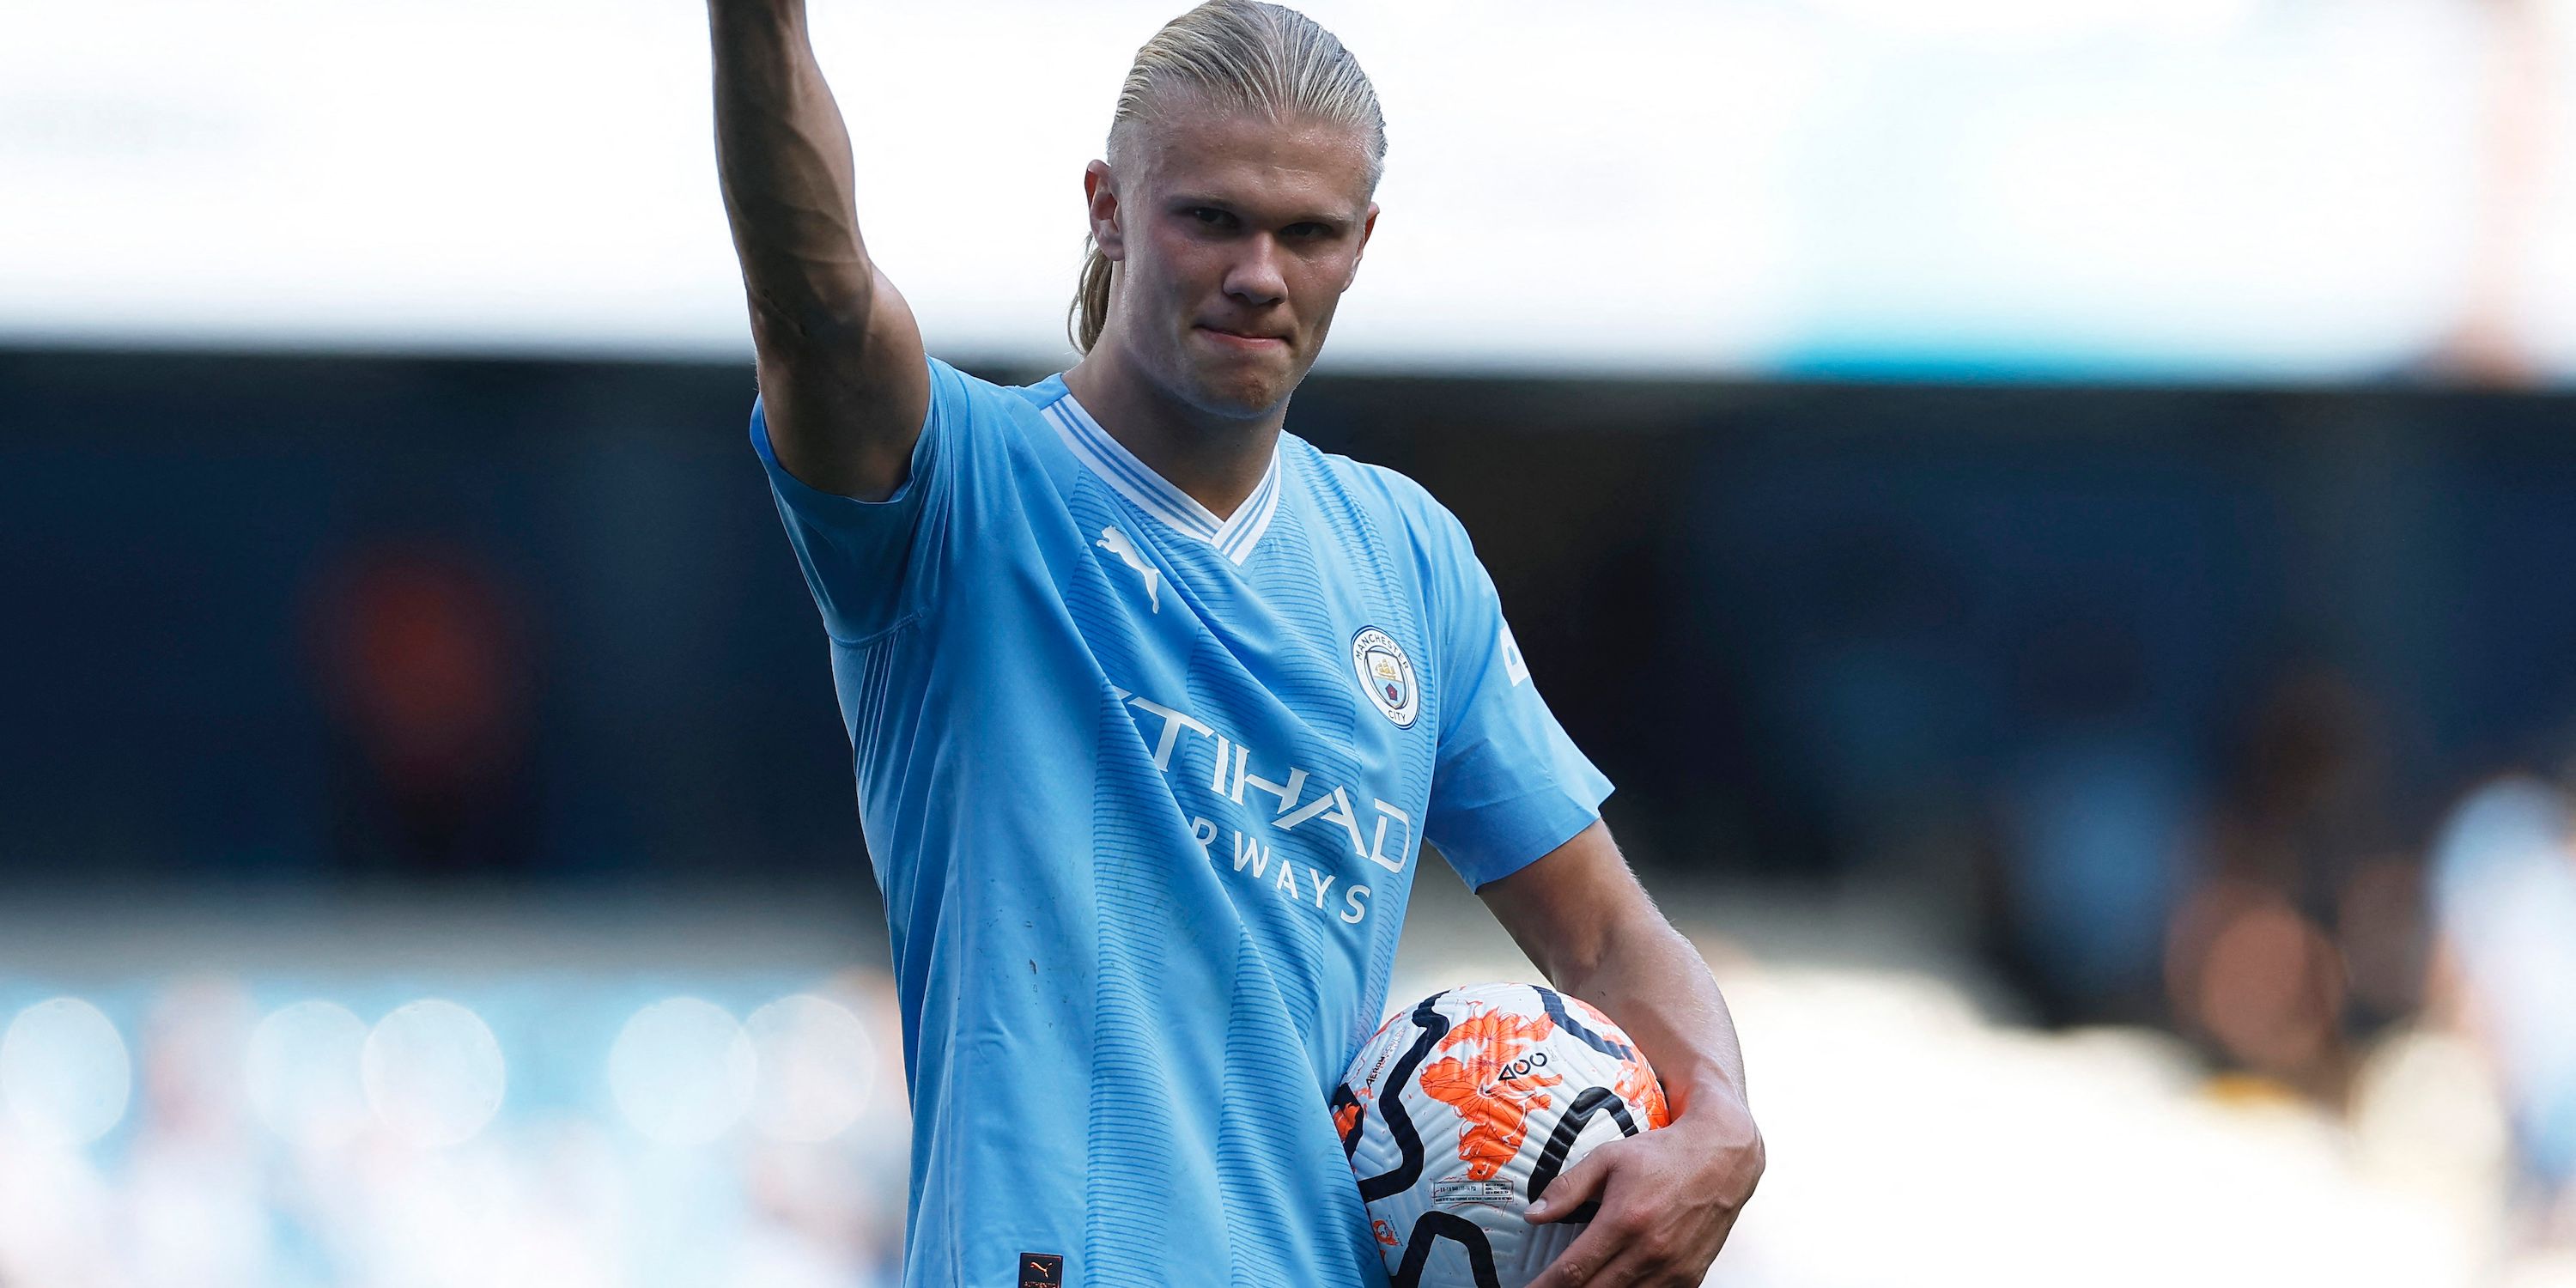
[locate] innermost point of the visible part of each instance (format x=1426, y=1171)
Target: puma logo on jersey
x=1116, y=543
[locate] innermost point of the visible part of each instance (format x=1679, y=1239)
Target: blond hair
x=1240, y=55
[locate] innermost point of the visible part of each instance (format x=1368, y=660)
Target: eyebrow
x=1338, y=223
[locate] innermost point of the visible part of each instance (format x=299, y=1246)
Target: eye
x=1210, y=216
x=1310, y=231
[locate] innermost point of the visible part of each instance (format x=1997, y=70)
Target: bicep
x=846, y=390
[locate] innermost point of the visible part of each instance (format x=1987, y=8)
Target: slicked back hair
x=1238, y=55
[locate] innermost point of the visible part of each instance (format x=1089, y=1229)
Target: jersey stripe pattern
x=1143, y=787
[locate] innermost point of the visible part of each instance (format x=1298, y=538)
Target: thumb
x=1570, y=1196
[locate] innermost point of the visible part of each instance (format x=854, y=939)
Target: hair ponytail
x=1090, y=310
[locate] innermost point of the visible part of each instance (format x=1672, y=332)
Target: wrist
x=1698, y=1090
x=1720, y=1123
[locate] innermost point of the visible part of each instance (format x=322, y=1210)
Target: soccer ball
x=1463, y=1109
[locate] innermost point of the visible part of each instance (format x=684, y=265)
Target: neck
x=1216, y=460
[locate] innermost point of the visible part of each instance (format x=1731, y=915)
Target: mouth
x=1242, y=341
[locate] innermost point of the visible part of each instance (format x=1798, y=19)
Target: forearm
x=783, y=159
x=1667, y=1198
x=1650, y=980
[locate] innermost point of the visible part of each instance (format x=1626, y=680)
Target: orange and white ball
x=1463, y=1109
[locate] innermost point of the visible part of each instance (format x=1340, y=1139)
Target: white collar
x=1233, y=537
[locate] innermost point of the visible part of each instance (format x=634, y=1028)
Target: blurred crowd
x=297, y=1146
x=2283, y=920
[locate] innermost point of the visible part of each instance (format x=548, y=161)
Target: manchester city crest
x=1386, y=675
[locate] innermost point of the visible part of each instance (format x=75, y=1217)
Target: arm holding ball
x=1668, y=1198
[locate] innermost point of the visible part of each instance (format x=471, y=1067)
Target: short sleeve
x=1508, y=785
x=865, y=561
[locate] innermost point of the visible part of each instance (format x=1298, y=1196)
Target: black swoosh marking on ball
x=1398, y=1122
x=1556, y=1011
x=1434, y=1226
x=1560, y=1142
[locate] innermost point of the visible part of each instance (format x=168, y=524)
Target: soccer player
x=1152, y=703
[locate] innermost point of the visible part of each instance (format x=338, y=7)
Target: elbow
x=1580, y=960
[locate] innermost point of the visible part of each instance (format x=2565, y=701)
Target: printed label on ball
x=1460, y=1189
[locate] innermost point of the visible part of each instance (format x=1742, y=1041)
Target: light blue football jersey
x=1144, y=790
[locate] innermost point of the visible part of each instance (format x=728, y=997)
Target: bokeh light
x=64, y=1072
x=302, y=1067
x=433, y=1073
x=2427, y=1123
x=817, y=1068
x=682, y=1071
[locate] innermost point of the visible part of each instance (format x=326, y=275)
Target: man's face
x=1235, y=238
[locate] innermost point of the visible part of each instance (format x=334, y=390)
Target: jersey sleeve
x=1508, y=785
x=868, y=562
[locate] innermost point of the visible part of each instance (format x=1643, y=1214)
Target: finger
x=1643, y=1260
x=1574, y=1267
x=1624, y=1270
x=1586, y=1260
x=1667, y=1259
x=1574, y=1187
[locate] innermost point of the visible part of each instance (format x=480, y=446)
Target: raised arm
x=843, y=382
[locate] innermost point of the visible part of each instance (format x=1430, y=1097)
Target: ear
x=1100, y=193
x=1368, y=227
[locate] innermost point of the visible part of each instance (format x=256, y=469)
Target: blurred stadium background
x=2057, y=516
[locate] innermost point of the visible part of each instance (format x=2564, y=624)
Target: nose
x=1257, y=279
